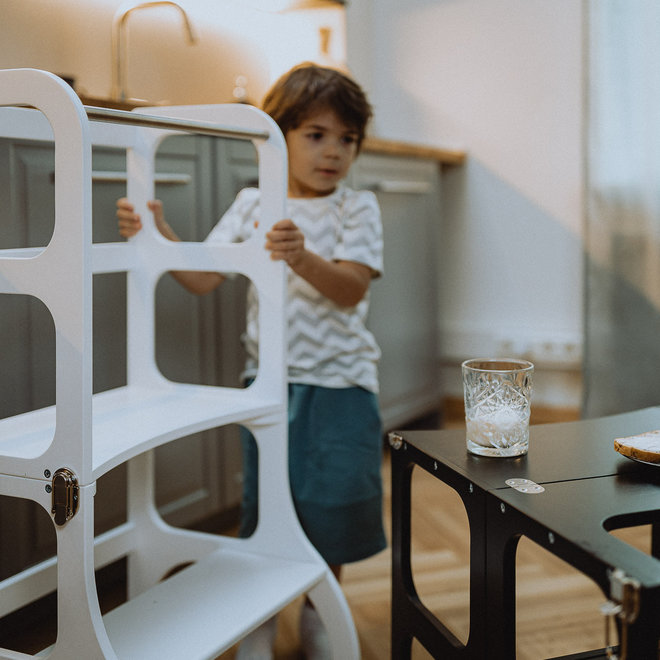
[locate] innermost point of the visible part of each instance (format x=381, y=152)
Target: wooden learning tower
x=55, y=455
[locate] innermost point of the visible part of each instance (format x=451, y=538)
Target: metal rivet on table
x=395, y=440
x=471, y=488
x=502, y=507
x=47, y=474
x=49, y=488
x=551, y=537
x=435, y=465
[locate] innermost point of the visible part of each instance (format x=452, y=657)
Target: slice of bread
x=643, y=447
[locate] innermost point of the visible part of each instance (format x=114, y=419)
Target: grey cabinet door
x=187, y=349
x=404, y=312
x=27, y=337
x=197, y=338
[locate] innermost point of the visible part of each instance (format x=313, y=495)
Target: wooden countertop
x=100, y=102
x=394, y=148
x=371, y=144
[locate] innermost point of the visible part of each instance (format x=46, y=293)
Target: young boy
x=332, y=244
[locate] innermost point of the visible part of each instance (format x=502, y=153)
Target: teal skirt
x=335, y=455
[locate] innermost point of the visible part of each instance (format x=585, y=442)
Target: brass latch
x=624, y=604
x=65, y=495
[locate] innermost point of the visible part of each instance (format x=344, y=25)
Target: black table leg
x=655, y=540
x=410, y=618
x=402, y=584
x=501, y=581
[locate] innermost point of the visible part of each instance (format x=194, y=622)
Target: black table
x=587, y=489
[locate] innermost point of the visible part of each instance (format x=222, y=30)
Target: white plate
x=639, y=460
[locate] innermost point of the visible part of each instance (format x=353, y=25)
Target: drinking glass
x=497, y=404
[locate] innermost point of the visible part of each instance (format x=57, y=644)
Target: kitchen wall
x=234, y=39
x=501, y=79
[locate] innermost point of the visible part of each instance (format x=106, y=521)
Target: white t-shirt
x=328, y=344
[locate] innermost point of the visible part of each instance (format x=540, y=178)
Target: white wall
x=501, y=79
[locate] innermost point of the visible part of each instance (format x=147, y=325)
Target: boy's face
x=321, y=151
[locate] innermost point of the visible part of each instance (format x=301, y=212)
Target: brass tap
x=119, y=56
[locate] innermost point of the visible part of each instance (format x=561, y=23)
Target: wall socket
x=559, y=350
x=559, y=354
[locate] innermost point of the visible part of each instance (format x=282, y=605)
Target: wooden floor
x=558, y=608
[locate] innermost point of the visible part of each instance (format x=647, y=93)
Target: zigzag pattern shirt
x=328, y=345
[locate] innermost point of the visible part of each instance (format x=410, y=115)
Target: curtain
x=622, y=295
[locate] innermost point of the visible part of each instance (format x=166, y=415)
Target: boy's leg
x=313, y=636
x=258, y=645
x=314, y=639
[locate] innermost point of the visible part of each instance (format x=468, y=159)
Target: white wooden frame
x=233, y=585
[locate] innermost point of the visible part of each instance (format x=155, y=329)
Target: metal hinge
x=624, y=604
x=65, y=495
x=524, y=486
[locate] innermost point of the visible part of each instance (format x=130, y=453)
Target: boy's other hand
x=128, y=220
x=285, y=242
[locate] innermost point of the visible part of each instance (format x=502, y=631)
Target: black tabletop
x=557, y=452
x=583, y=511
x=588, y=487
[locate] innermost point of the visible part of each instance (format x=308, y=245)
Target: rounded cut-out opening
x=557, y=606
x=440, y=552
x=199, y=339
x=27, y=358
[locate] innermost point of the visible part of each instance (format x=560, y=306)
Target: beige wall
x=500, y=78
x=73, y=38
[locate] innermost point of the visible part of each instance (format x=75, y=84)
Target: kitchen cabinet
x=197, y=338
x=404, y=310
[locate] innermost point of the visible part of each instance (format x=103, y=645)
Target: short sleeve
x=237, y=223
x=361, y=238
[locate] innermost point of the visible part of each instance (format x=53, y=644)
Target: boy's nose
x=333, y=148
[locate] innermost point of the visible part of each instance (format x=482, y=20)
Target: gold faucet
x=118, y=93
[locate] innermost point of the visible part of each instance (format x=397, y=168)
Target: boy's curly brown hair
x=308, y=89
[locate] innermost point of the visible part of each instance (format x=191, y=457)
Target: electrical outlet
x=547, y=352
